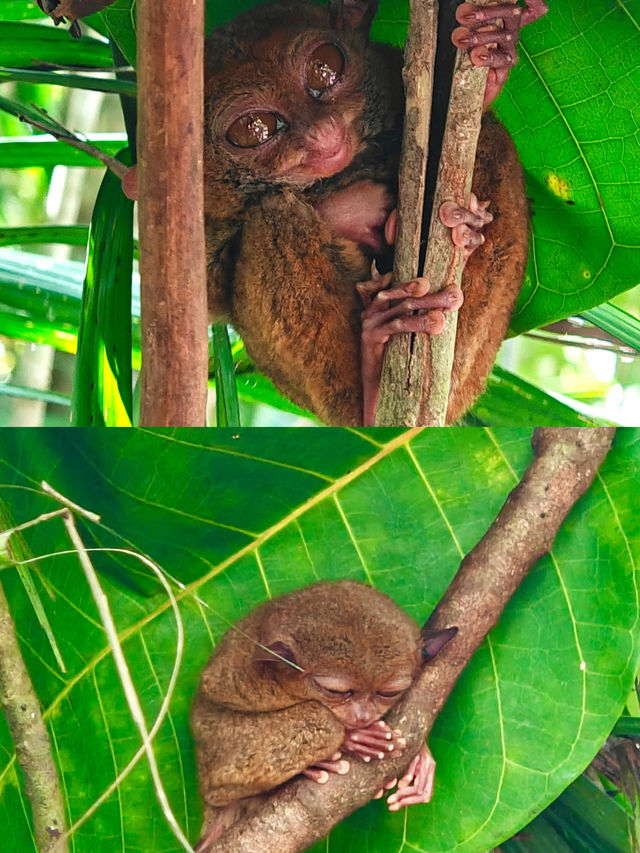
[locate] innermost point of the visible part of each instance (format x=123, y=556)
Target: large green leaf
x=23, y=45
x=573, y=108
x=241, y=515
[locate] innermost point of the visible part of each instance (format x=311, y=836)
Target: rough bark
x=172, y=255
x=416, y=374
x=21, y=708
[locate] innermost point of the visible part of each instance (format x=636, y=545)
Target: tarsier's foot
x=491, y=34
x=334, y=764
x=416, y=786
x=466, y=223
x=375, y=741
x=392, y=310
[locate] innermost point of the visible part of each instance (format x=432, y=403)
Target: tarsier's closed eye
x=324, y=68
x=254, y=129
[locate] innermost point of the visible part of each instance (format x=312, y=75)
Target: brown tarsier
x=303, y=123
x=300, y=686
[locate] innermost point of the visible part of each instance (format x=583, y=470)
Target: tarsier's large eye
x=324, y=68
x=254, y=129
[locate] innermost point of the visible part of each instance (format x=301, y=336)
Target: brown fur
x=276, y=269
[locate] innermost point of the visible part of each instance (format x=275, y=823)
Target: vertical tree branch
x=172, y=256
x=414, y=390
x=396, y=395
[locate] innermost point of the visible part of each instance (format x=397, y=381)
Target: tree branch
x=71, y=10
x=396, y=396
x=564, y=465
x=172, y=254
x=33, y=749
x=414, y=390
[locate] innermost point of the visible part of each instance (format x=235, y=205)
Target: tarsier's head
x=347, y=646
x=283, y=91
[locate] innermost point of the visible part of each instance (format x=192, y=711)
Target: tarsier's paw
x=416, y=786
x=466, y=223
x=491, y=34
x=375, y=741
x=382, y=318
x=334, y=764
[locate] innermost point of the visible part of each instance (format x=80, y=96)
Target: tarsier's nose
x=362, y=714
x=326, y=137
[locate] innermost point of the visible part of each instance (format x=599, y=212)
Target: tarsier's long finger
x=368, y=289
x=477, y=16
x=379, y=327
x=372, y=737
x=382, y=741
x=387, y=787
x=476, y=215
x=416, y=287
x=431, y=324
x=319, y=771
x=503, y=56
x=416, y=786
x=319, y=776
x=449, y=299
x=466, y=238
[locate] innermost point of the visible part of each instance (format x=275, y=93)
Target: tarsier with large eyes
x=303, y=128
x=300, y=686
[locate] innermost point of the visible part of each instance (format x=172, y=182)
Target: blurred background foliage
x=48, y=191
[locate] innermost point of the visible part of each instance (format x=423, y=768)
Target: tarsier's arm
x=287, y=742
x=296, y=307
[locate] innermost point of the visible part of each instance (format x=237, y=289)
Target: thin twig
x=564, y=465
x=135, y=708
x=64, y=135
x=416, y=375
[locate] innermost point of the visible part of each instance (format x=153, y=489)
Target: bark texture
x=172, y=255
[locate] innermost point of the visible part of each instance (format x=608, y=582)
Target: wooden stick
x=396, y=394
x=414, y=389
x=172, y=254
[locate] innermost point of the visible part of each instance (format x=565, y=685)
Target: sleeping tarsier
x=303, y=123
x=300, y=686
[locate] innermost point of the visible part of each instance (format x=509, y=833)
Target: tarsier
x=300, y=686
x=303, y=123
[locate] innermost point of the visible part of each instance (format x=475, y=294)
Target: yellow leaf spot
x=559, y=186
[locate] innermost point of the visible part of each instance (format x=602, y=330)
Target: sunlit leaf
x=23, y=45
x=102, y=377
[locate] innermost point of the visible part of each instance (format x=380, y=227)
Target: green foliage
x=238, y=516
x=102, y=394
x=573, y=108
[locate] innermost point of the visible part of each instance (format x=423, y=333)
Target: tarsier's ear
x=275, y=652
x=352, y=14
x=434, y=641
